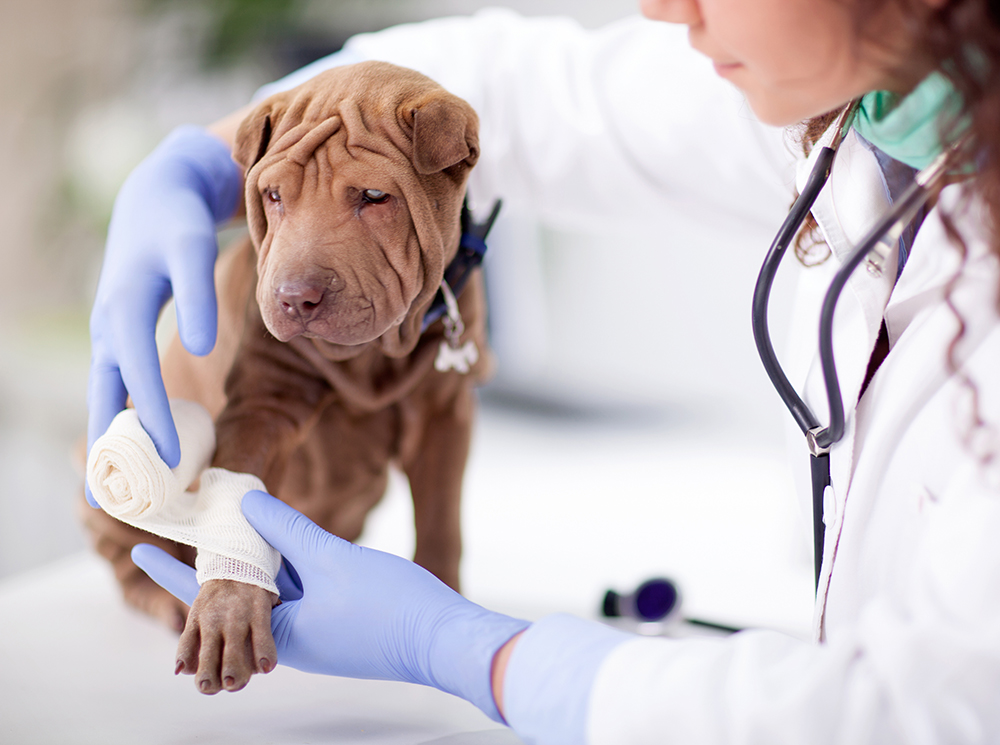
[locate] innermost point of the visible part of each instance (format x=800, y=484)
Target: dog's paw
x=228, y=636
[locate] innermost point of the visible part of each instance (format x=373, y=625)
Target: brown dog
x=323, y=376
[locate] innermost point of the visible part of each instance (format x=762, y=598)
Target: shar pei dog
x=341, y=351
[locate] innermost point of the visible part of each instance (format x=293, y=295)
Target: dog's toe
x=237, y=664
x=228, y=636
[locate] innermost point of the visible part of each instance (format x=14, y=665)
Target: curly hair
x=961, y=40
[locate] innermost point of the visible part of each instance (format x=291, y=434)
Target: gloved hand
x=361, y=613
x=161, y=242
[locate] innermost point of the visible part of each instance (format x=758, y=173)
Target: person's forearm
x=499, y=671
x=225, y=129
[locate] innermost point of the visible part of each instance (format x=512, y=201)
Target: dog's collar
x=471, y=250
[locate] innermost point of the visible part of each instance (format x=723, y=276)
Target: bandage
x=131, y=483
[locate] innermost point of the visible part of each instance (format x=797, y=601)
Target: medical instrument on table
x=873, y=250
x=655, y=603
x=654, y=600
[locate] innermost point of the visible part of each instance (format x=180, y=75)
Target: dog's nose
x=300, y=300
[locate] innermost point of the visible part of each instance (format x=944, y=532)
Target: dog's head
x=354, y=188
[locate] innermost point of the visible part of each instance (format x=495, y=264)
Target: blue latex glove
x=161, y=242
x=361, y=613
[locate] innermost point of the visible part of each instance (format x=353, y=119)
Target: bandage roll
x=131, y=483
x=127, y=476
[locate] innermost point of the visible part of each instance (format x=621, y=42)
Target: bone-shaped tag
x=456, y=358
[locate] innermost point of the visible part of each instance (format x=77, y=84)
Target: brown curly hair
x=961, y=40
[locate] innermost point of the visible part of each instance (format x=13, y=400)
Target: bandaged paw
x=228, y=547
x=131, y=483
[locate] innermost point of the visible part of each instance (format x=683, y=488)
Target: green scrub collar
x=909, y=129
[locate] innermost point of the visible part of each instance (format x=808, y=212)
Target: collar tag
x=452, y=354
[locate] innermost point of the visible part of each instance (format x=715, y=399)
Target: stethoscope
x=877, y=245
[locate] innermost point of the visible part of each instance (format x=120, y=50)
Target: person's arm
x=498, y=670
x=161, y=243
x=352, y=611
x=225, y=129
x=582, y=126
x=920, y=663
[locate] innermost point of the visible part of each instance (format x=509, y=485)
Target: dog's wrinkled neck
x=368, y=381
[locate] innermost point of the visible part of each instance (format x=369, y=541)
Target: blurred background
x=637, y=461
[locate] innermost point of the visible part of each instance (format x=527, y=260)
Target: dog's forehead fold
x=303, y=150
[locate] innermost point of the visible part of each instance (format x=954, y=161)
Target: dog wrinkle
x=313, y=177
x=400, y=268
x=348, y=322
x=305, y=149
x=372, y=306
x=394, y=295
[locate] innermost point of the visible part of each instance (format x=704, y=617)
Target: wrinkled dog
x=323, y=375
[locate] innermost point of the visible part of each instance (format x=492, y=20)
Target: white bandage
x=130, y=482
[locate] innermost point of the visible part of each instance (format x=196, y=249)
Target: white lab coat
x=627, y=123
x=909, y=604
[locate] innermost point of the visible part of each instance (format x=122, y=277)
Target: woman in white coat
x=907, y=628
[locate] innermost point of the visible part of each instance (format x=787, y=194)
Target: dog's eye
x=374, y=196
x=273, y=196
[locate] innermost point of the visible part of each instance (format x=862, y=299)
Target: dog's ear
x=254, y=133
x=253, y=137
x=445, y=134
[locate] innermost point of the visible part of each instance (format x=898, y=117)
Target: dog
x=324, y=374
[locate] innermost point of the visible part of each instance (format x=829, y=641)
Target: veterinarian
x=907, y=629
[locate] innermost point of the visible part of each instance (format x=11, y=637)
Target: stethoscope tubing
x=892, y=224
x=762, y=291
x=886, y=231
x=819, y=463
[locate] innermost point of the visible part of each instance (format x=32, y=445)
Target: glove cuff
x=205, y=163
x=462, y=657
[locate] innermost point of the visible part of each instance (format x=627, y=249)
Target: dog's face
x=354, y=185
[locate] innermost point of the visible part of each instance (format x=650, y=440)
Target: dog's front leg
x=270, y=397
x=273, y=395
x=434, y=462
